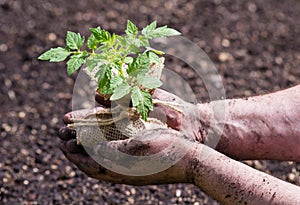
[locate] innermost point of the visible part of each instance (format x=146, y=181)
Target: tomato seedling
x=119, y=64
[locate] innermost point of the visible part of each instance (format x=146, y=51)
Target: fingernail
x=67, y=118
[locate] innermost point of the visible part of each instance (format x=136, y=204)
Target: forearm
x=263, y=127
x=232, y=182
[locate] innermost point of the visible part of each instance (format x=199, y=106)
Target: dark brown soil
x=254, y=45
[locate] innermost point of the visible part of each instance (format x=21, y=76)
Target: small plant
x=119, y=64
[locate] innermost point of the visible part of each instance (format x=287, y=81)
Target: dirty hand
x=181, y=116
x=167, y=143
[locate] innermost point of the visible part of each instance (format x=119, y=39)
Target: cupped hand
x=187, y=130
x=167, y=143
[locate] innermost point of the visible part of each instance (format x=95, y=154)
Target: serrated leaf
x=148, y=81
x=121, y=40
x=142, y=101
x=148, y=29
x=120, y=91
x=92, y=42
x=74, y=40
x=100, y=34
x=147, y=100
x=112, y=40
x=93, y=60
x=74, y=64
x=163, y=31
x=131, y=28
x=55, y=54
x=103, y=76
x=116, y=81
x=143, y=60
x=140, y=65
x=153, y=57
x=143, y=41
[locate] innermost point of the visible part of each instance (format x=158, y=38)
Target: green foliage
x=74, y=40
x=148, y=81
x=55, y=54
x=118, y=63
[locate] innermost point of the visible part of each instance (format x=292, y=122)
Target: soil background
x=254, y=45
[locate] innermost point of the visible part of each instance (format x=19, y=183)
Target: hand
x=181, y=116
x=190, y=119
x=147, y=144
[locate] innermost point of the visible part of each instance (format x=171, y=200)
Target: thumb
x=171, y=115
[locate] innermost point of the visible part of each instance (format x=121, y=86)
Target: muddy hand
x=180, y=115
x=151, y=143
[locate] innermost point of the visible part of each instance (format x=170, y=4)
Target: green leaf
x=74, y=40
x=163, y=31
x=92, y=42
x=131, y=28
x=74, y=64
x=142, y=100
x=143, y=60
x=140, y=42
x=122, y=40
x=93, y=60
x=100, y=34
x=133, y=49
x=120, y=91
x=103, y=76
x=147, y=100
x=128, y=60
x=153, y=57
x=143, y=41
x=116, y=81
x=112, y=40
x=148, y=81
x=82, y=54
x=55, y=54
x=148, y=29
x=135, y=96
x=140, y=65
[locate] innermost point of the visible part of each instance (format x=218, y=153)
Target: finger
x=166, y=96
x=168, y=115
x=76, y=114
x=82, y=161
x=62, y=146
x=69, y=142
x=81, y=114
x=165, y=113
x=66, y=133
x=73, y=147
